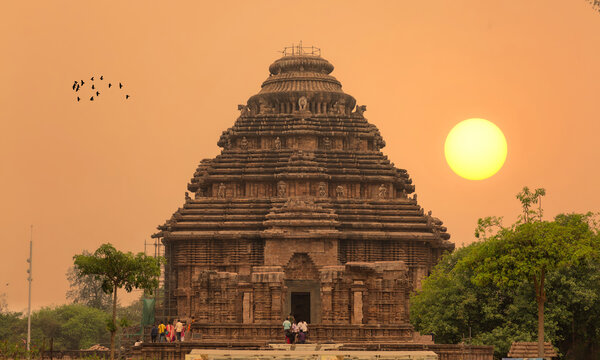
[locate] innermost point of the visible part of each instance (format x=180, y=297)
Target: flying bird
x=82, y=83
x=92, y=98
x=92, y=78
x=93, y=87
x=78, y=98
x=126, y=97
x=77, y=88
x=120, y=85
x=109, y=85
x=101, y=77
x=75, y=84
x=97, y=93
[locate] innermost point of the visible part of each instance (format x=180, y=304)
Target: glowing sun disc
x=475, y=149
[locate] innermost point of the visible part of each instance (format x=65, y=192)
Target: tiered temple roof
x=302, y=198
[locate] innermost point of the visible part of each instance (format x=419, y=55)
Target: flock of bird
x=79, y=84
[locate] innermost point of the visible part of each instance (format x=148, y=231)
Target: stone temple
x=300, y=214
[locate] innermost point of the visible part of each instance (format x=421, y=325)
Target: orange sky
x=112, y=170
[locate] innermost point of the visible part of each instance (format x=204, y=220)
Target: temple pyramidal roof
x=302, y=161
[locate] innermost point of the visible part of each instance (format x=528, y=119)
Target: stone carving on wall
x=414, y=197
x=187, y=197
x=322, y=190
x=339, y=107
x=221, y=192
x=244, y=144
x=326, y=143
x=281, y=189
x=302, y=103
x=244, y=110
x=277, y=143
x=403, y=194
x=360, y=109
x=383, y=192
x=340, y=191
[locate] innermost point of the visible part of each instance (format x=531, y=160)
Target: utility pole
x=29, y=306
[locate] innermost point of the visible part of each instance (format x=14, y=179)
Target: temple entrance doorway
x=300, y=306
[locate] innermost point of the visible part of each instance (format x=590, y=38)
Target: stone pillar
x=267, y=282
x=328, y=274
x=358, y=289
x=326, y=308
x=357, y=314
x=276, y=301
x=247, y=308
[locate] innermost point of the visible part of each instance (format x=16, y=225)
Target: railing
x=301, y=50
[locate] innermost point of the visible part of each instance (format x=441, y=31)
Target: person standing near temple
x=178, y=329
x=169, y=333
x=287, y=325
x=303, y=327
x=162, y=332
x=154, y=333
x=295, y=330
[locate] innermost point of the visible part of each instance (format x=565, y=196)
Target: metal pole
x=29, y=305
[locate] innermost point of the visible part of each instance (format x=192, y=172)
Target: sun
x=475, y=149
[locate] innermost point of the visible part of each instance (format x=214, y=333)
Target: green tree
x=116, y=270
x=87, y=290
x=496, y=285
x=72, y=326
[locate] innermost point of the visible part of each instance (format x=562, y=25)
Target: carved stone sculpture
x=222, y=191
x=340, y=191
x=277, y=143
x=302, y=103
x=281, y=189
x=326, y=143
x=244, y=110
x=361, y=109
x=383, y=191
x=244, y=144
x=187, y=196
x=322, y=190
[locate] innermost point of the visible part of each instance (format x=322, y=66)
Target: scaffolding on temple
x=300, y=50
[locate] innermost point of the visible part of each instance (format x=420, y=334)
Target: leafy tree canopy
x=87, y=290
x=489, y=287
x=114, y=270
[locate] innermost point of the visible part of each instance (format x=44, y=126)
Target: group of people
x=295, y=333
x=170, y=332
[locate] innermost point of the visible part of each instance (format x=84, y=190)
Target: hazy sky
x=112, y=170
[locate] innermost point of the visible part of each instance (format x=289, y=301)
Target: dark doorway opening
x=301, y=306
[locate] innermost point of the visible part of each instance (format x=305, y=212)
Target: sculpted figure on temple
x=198, y=194
x=277, y=143
x=414, y=197
x=244, y=110
x=339, y=107
x=221, y=192
x=360, y=109
x=228, y=145
x=187, y=196
x=264, y=107
x=326, y=143
x=302, y=102
x=403, y=194
x=244, y=143
x=322, y=189
x=281, y=189
x=383, y=191
x=340, y=191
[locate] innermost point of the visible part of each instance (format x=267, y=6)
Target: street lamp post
x=29, y=279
